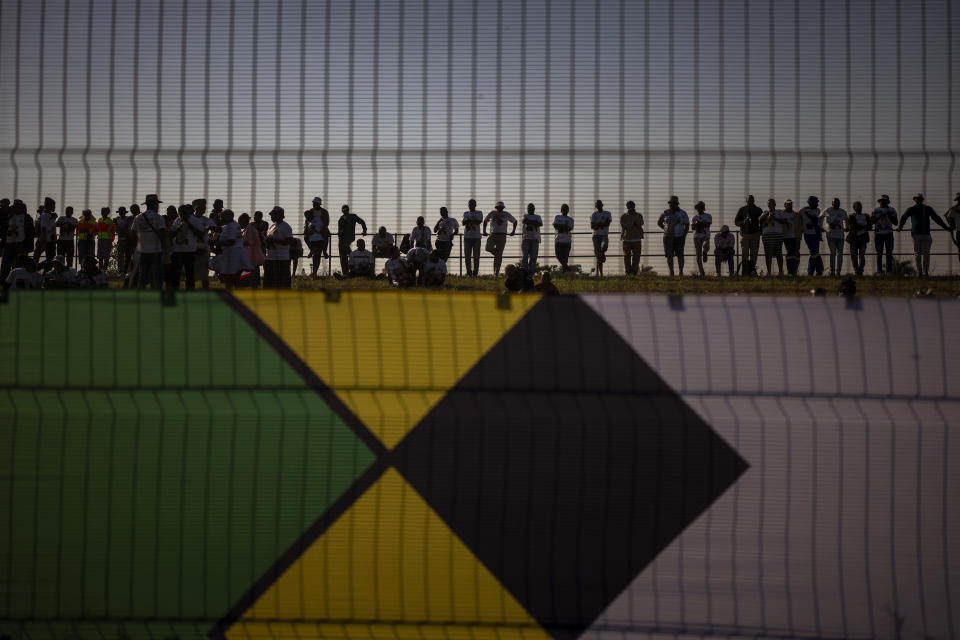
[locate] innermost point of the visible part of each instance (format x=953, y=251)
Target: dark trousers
x=444, y=247
x=815, y=263
x=11, y=251
x=792, y=249
x=883, y=243
x=65, y=249
x=631, y=257
x=343, y=246
x=151, y=270
x=276, y=274
x=472, y=248
x=183, y=263
x=562, y=249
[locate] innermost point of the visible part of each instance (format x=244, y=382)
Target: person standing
x=14, y=247
x=126, y=243
x=5, y=212
x=858, y=227
x=216, y=211
x=920, y=215
x=884, y=220
x=701, y=234
x=86, y=234
x=792, y=231
x=953, y=219
x=530, y=245
x=67, y=225
x=836, y=218
x=201, y=268
x=812, y=235
x=472, y=219
x=346, y=232
x=321, y=221
x=563, y=240
x=723, y=249
x=106, y=232
x=748, y=219
x=185, y=233
x=631, y=235
x=446, y=229
x=276, y=267
x=46, y=231
x=253, y=247
x=600, y=221
x=498, y=219
x=313, y=234
x=233, y=259
x=772, y=232
x=150, y=228
x=675, y=225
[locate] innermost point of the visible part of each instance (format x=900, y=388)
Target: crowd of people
x=186, y=243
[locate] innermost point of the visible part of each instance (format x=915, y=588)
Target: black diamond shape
x=565, y=463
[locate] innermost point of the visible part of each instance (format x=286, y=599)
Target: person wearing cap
x=497, y=241
x=59, y=276
x=748, y=219
x=858, y=235
x=884, y=220
x=126, y=243
x=106, y=233
x=600, y=221
x=46, y=231
x=953, y=219
x=472, y=219
x=836, y=219
x=812, y=235
x=201, y=264
x=313, y=235
x=151, y=231
x=920, y=215
x=772, y=232
x=701, y=234
x=631, y=237
x=276, y=267
x=16, y=238
x=723, y=245
x=530, y=244
x=563, y=238
x=675, y=225
x=446, y=229
x=346, y=233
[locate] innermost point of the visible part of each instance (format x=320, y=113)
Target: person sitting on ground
x=90, y=276
x=398, y=270
x=723, y=249
x=24, y=274
x=360, y=263
x=517, y=279
x=60, y=276
x=417, y=257
x=435, y=269
x=546, y=285
x=382, y=243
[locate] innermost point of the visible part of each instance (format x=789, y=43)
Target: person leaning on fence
x=472, y=219
x=772, y=232
x=631, y=236
x=497, y=240
x=748, y=219
x=530, y=245
x=675, y=225
x=276, y=266
x=836, y=219
x=346, y=233
x=600, y=221
x=858, y=236
x=563, y=239
x=446, y=229
x=920, y=215
x=701, y=234
x=884, y=219
x=953, y=220
x=812, y=235
x=723, y=245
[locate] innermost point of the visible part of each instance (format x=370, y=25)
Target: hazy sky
x=401, y=107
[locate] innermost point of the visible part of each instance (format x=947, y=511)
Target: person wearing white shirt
x=276, y=267
x=150, y=228
x=772, y=230
x=563, y=224
x=631, y=235
x=417, y=258
x=233, y=258
x=60, y=275
x=530, y=244
x=858, y=224
x=723, y=243
x=836, y=219
x=201, y=265
x=382, y=243
x=472, y=219
x=398, y=270
x=446, y=228
x=498, y=219
x=314, y=234
x=15, y=239
x=360, y=262
x=420, y=235
x=47, y=231
x=675, y=224
x=185, y=232
x=434, y=270
x=884, y=222
x=24, y=276
x=67, y=226
x=600, y=221
x=701, y=234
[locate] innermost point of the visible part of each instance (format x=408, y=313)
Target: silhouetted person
x=383, y=243
x=187, y=233
x=472, y=219
x=313, y=235
x=446, y=229
x=810, y=220
x=420, y=235
x=5, y=213
x=346, y=233
x=150, y=228
x=276, y=267
x=563, y=240
x=361, y=262
x=434, y=269
x=399, y=272
x=106, y=232
x=216, y=211
x=201, y=266
x=126, y=242
x=15, y=238
x=723, y=243
x=701, y=234
x=600, y=221
x=546, y=286
x=497, y=241
x=772, y=231
x=46, y=231
x=675, y=225
x=953, y=219
x=517, y=279
x=858, y=227
x=530, y=244
x=920, y=215
x=836, y=219
x=631, y=236
x=884, y=220
x=748, y=219
x=91, y=276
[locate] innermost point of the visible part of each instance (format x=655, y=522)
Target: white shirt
x=785, y=218
x=396, y=268
x=719, y=242
x=48, y=226
x=382, y=241
x=418, y=255
x=862, y=221
x=434, y=269
x=531, y=226
x=279, y=231
x=204, y=223
x=15, y=228
x=499, y=226
x=471, y=223
x=447, y=229
x=68, y=226
x=232, y=231
x=149, y=241
x=884, y=220
x=359, y=258
x=563, y=238
x=675, y=222
x=810, y=219
x=313, y=230
x=185, y=240
x=20, y=278
x=707, y=220
x=604, y=218
x=420, y=234
x=835, y=217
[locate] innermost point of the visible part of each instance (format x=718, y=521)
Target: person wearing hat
x=953, y=219
x=346, y=232
x=631, y=236
x=276, y=267
x=748, y=219
x=600, y=221
x=812, y=235
x=836, y=219
x=446, y=229
x=125, y=241
x=701, y=234
x=472, y=219
x=723, y=243
x=884, y=219
x=498, y=219
x=151, y=231
x=920, y=215
x=675, y=225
